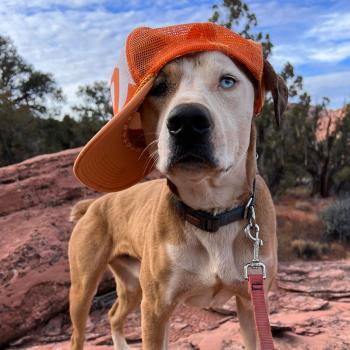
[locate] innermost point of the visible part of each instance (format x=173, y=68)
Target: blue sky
x=78, y=40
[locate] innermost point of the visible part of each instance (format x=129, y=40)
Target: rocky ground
x=309, y=309
x=309, y=305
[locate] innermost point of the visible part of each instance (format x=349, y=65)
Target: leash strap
x=256, y=280
x=262, y=323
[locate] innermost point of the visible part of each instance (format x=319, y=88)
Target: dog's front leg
x=247, y=322
x=155, y=322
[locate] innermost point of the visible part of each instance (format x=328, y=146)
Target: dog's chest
x=205, y=266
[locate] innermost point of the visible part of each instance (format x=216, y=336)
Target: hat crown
x=109, y=161
x=147, y=50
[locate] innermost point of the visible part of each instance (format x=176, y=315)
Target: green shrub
x=337, y=220
x=341, y=180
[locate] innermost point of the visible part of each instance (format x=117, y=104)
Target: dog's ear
x=275, y=83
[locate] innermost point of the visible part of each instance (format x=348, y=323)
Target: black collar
x=211, y=222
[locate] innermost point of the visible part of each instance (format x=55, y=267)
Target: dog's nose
x=189, y=119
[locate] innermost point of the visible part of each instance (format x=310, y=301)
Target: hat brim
x=109, y=162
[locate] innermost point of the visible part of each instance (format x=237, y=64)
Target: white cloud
x=77, y=45
x=78, y=40
x=293, y=53
x=331, y=27
x=48, y=4
x=336, y=86
x=280, y=13
x=329, y=38
x=304, y=53
x=335, y=53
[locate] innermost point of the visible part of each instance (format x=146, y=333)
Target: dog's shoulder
x=128, y=200
x=265, y=208
x=140, y=198
x=265, y=215
x=262, y=191
x=141, y=192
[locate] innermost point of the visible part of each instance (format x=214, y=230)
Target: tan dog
x=158, y=259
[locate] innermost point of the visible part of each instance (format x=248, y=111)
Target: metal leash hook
x=252, y=225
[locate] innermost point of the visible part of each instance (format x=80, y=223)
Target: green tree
x=327, y=139
x=56, y=135
x=340, y=172
x=24, y=85
x=276, y=147
x=293, y=153
x=25, y=94
x=236, y=15
x=17, y=132
x=94, y=110
x=96, y=102
x=23, y=135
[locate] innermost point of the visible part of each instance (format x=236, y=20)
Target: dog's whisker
x=146, y=165
x=152, y=157
x=155, y=152
x=147, y=147
x=144, y=173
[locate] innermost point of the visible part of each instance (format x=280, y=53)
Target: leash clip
x=255, y=263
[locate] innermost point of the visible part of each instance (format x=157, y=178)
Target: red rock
x=35, y=199
x=309, y=310
x=179, y=326
x=318, y=328
x=302, y=302
x=223, y=311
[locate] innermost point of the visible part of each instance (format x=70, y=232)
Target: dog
x=198, y=122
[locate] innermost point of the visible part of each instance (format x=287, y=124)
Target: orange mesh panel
x=148, y=50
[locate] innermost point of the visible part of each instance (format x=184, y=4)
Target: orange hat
x=114, y=159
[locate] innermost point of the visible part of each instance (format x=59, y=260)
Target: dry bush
x=309, y=250
x=337, y=220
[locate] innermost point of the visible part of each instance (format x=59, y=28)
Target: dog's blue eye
x=227, y=82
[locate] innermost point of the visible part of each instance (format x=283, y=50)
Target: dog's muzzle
x=190, y=127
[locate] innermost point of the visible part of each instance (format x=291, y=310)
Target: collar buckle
x=211, y=225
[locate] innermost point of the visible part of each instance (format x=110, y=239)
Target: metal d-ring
x=247, y=231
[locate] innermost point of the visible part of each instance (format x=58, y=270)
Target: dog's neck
x=221, y=192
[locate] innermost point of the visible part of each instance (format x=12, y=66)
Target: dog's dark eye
x=159, y=89
x=227, y=82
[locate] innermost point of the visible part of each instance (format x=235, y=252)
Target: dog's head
x=197, y=117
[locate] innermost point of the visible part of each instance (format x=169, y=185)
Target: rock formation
x=309, y=306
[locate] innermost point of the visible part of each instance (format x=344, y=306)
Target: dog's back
x=80, y=209
x=117, y=215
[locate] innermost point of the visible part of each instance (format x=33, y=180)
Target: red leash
x=262, y=324
x=256, y=280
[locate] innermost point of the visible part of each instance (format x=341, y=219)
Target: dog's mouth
x=197, y=159
x=192, y=161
